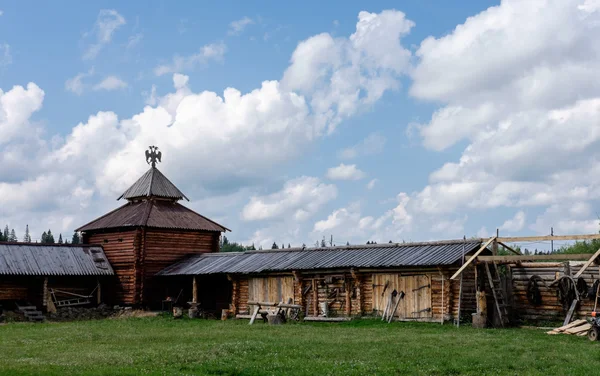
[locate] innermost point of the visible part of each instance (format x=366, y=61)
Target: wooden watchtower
x=148, y=233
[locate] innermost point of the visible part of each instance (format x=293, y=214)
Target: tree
x=347, y=243
x=44, y=240
x=27, y=237
x=5, y=234
x=274, y=246
x=390, y=242
x=289, y=246
x=323, y=243
x=49, y=237
x=75, y=239
x=60, y=241
x=13, y=236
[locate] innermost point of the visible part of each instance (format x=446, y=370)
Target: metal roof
x=155, y=213
x=368, y=256
x=153, y=184
x=55, y=259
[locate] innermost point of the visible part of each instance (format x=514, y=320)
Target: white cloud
x=108, y=21
x=76, y=84
x=352, y=73
x=516, y=223
x=214, y=51
x=134, y=40
x=373, y=144
x=371, y=184
x=300, y=197
x=527, y=103
x=204, y=137
x=110, y=83
x=345, y=172
x=237, y=27
x=5, y=55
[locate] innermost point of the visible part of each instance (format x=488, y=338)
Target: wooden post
x=495, y=244
x=45, y=292
x=315, y=301
x=99, y=294
x=235, y=294
x=348, y=297
x=359, y=296
x=298, y=290
x=195, y=289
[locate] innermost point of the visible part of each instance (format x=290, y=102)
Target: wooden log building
x=340, y=281
x=150, y=232
x=42, y=274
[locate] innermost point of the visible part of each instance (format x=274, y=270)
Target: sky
x=291, y=122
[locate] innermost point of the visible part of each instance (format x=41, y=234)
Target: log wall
x=162, y=248
x=137, y=255
x=122, y=250
x=551, y=308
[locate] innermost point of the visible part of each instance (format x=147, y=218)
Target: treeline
x=579, y=247
x=46, y=238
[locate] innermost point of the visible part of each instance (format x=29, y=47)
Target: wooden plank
x=588, y=263
x=256, y=309
x=472, y=258
x=520, y=258
x=571, y=310
x=517, y=239
x=327, y=319
x=571, y=325
x=578, y=329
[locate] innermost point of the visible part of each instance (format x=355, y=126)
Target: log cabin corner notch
x=148, y=233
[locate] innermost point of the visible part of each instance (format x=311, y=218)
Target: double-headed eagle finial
x=153, y=155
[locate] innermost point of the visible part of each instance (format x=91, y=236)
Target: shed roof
x=368, y=256
x=153, y=184
x=46, y=260
x=154, y=213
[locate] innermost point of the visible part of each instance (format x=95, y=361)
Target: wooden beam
x=99, y=294
x=588, y=263
x=519, y=258
x=195, y=289
x=510, y=249
x=517, y=239
x=484, y=246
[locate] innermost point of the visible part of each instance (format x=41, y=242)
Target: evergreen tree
x=49, y=237
x=323, y=243
x=13, y=236
x=27, y=237
x=75, y=239
x=289, y=246
x=274, y=246
x=44, y=240
x=282, y=246
x=347, y=243
x=60, y=241
x=390, y=242
x=5, y=234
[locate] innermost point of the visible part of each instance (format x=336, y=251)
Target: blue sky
x=392, y=121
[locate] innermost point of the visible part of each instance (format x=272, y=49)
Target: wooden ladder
x=498, y=293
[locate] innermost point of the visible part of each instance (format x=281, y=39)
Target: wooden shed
x=35, y=274
x=151, y=231
x=342, y=281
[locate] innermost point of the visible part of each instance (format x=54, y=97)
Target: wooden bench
x=274, y=312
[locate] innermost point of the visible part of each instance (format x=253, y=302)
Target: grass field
x=166, y=346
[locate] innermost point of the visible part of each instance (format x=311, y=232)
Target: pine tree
x=390, y=242
x=60, y=241
x=27, y=237
x=289, y=246
x=13, y=236
x=44, y=239
x=347, y=243
x=5, y=234
x=75, y=239
x=50, y=237
x=274, y=246
x=323, y=243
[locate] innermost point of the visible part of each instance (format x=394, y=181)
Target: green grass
x=166, y=346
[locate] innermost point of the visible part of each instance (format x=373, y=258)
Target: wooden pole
x=315, y=300
x=484, y=246
x=348, y=297
x=460, y=288
x=45, y=292
x=99, y=294
x=588, y=263
x=195, y=289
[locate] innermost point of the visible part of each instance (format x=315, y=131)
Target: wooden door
x=416, y=303
x=271, y=289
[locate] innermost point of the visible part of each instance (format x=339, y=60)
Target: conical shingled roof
x=153, y=184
